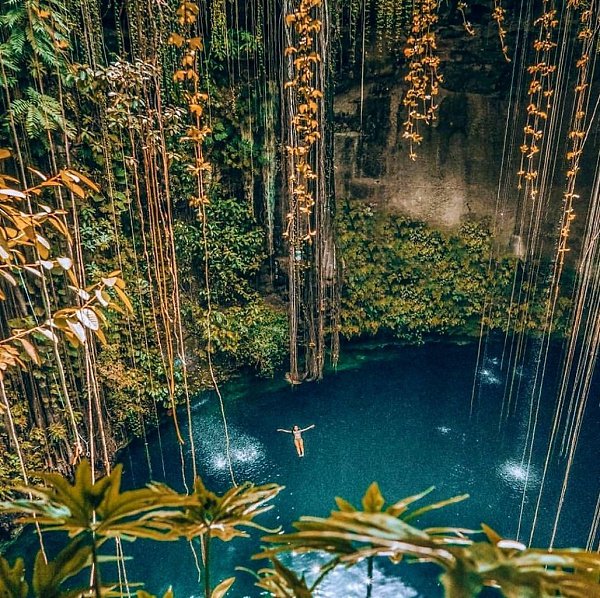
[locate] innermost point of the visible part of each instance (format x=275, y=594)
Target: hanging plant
x=499, y=15
x=188, y=76
x=305, y=99
x=576, y=136
x=461, y=7
x=423, y=76
x=540, y=98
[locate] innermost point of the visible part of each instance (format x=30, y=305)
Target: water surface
x=399, y=415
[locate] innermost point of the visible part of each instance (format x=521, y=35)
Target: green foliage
x=93, y=511
x=250, y=336
x=98, y=508
x=41, y=114
x=12, y=582
x=35, y=36
x=222, y=517
x=236, y=251
x=246, y=330
x=49, y=577
x=407, y=280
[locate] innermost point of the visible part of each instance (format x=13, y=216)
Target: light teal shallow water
x=399, y=416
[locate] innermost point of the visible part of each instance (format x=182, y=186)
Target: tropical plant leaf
x=373, y=500
x=100, y=507
x=402, y=505
x=222, y=588
x=436, y=505
x=282, y=582
x=12, y=579
x=223, y=517
x=71, y=560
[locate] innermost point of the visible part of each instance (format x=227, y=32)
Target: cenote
x=397, y=415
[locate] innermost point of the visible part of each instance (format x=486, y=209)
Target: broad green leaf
x=71, y=560
x=12, y=579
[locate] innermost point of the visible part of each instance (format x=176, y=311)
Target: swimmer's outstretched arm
x=309, y=428
x=282, y=430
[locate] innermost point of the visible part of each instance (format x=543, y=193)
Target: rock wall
x=470, y=149
x=456, y=173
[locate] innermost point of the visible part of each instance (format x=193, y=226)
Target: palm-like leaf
x=49, y=577
x=282, y=582
x=377, y=531
x=99, y=507
x=223, y=516
x=522, y=573
x=12, y=582
x=356, y=536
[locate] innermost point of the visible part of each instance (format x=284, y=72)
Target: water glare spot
x=516, y=475
x=443, y=429
x=487, y=376
x=247, y=453
x=219, y=462
x=353, y=581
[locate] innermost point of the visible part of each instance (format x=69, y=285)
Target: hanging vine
x=499, y=15
x=200, y=170
x=540, y=94
x=308, y=231
x=577, y=130
x=423, y=77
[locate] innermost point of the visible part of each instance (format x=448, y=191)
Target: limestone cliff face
x=459, y=162
x=468, y=161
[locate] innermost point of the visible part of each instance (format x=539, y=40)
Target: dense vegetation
x=409, y=281
x=176, y=116
x=76, y=96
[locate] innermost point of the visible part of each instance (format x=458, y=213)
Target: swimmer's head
x=295, y=428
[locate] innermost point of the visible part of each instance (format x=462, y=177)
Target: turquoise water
x=399, y=416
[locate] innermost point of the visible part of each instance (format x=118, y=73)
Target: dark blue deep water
x=398, y=415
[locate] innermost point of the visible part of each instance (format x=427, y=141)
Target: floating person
x=298, y=442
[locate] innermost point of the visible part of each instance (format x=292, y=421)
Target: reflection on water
x=518, y=475
x=247, y=453
x=353, y=581
x=487, y=376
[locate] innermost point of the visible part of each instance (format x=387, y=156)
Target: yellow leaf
x=88, y=182
x=69, y=181
x=176, y=40
x=30, y=350
x=195, y=43
x=124, y=298
x=101, y=336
